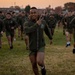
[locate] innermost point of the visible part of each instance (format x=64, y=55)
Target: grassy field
x=59, y=60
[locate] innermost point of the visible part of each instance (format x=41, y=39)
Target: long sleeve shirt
x=36, y=34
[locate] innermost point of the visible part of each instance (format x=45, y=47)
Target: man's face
x=69, y=14
x=8, y=16
x=23, y=14
x=33, y=14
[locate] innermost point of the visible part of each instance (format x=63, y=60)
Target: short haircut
x=9, y=13
x=33, y=8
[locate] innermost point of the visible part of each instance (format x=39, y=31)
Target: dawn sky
x=37, y=3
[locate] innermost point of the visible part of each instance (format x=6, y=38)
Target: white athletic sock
x=42, y=67
x=68, y=42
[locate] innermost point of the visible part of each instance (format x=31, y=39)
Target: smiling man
x=34, y=29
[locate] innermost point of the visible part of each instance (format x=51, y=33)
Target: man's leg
x=14, y=34
x=27, y=42
x=74, y=40
x=19, y=31
x=67, y=38
x=74, y=48
x=52, y=31
x=40, y=61
x=63, y=31
x=34, y=64
x=12, y=38
x=0, y=42
x=9, y=41
x=21, y=35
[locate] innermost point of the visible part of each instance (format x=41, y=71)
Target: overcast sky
x=37, y=3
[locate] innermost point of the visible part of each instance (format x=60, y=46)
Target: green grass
x=59, y=60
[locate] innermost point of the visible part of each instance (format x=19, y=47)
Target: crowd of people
x=9, y=22
x=30, y=28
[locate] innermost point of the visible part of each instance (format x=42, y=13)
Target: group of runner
x=32, y=25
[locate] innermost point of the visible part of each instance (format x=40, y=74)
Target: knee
x=26, y=37
x=40, y=63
